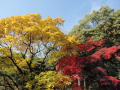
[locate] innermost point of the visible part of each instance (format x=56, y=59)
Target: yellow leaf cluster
x=48, y=80
x=23, y=38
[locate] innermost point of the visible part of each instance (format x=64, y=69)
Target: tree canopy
x=36, y=55
x=101, y=24
x=28, y=46
x=99, y=37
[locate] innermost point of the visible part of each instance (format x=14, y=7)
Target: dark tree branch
x=8, y=76
x=13, y=61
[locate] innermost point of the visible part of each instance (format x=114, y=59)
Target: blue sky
x=70, y=10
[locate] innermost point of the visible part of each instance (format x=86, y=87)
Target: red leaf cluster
x=90, y=45
x=74, y=65
x=71, y=65
x=100, y=69
x=105, y=52
x=107, y=80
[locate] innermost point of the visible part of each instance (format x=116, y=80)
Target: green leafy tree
x=92, y=25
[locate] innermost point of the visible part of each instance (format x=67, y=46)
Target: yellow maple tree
x=29, y=47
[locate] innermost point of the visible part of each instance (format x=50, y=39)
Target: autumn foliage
x=28, y=47
x=36, y=55
x=86, y=63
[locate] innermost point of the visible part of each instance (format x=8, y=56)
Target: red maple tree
x=76, y=66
